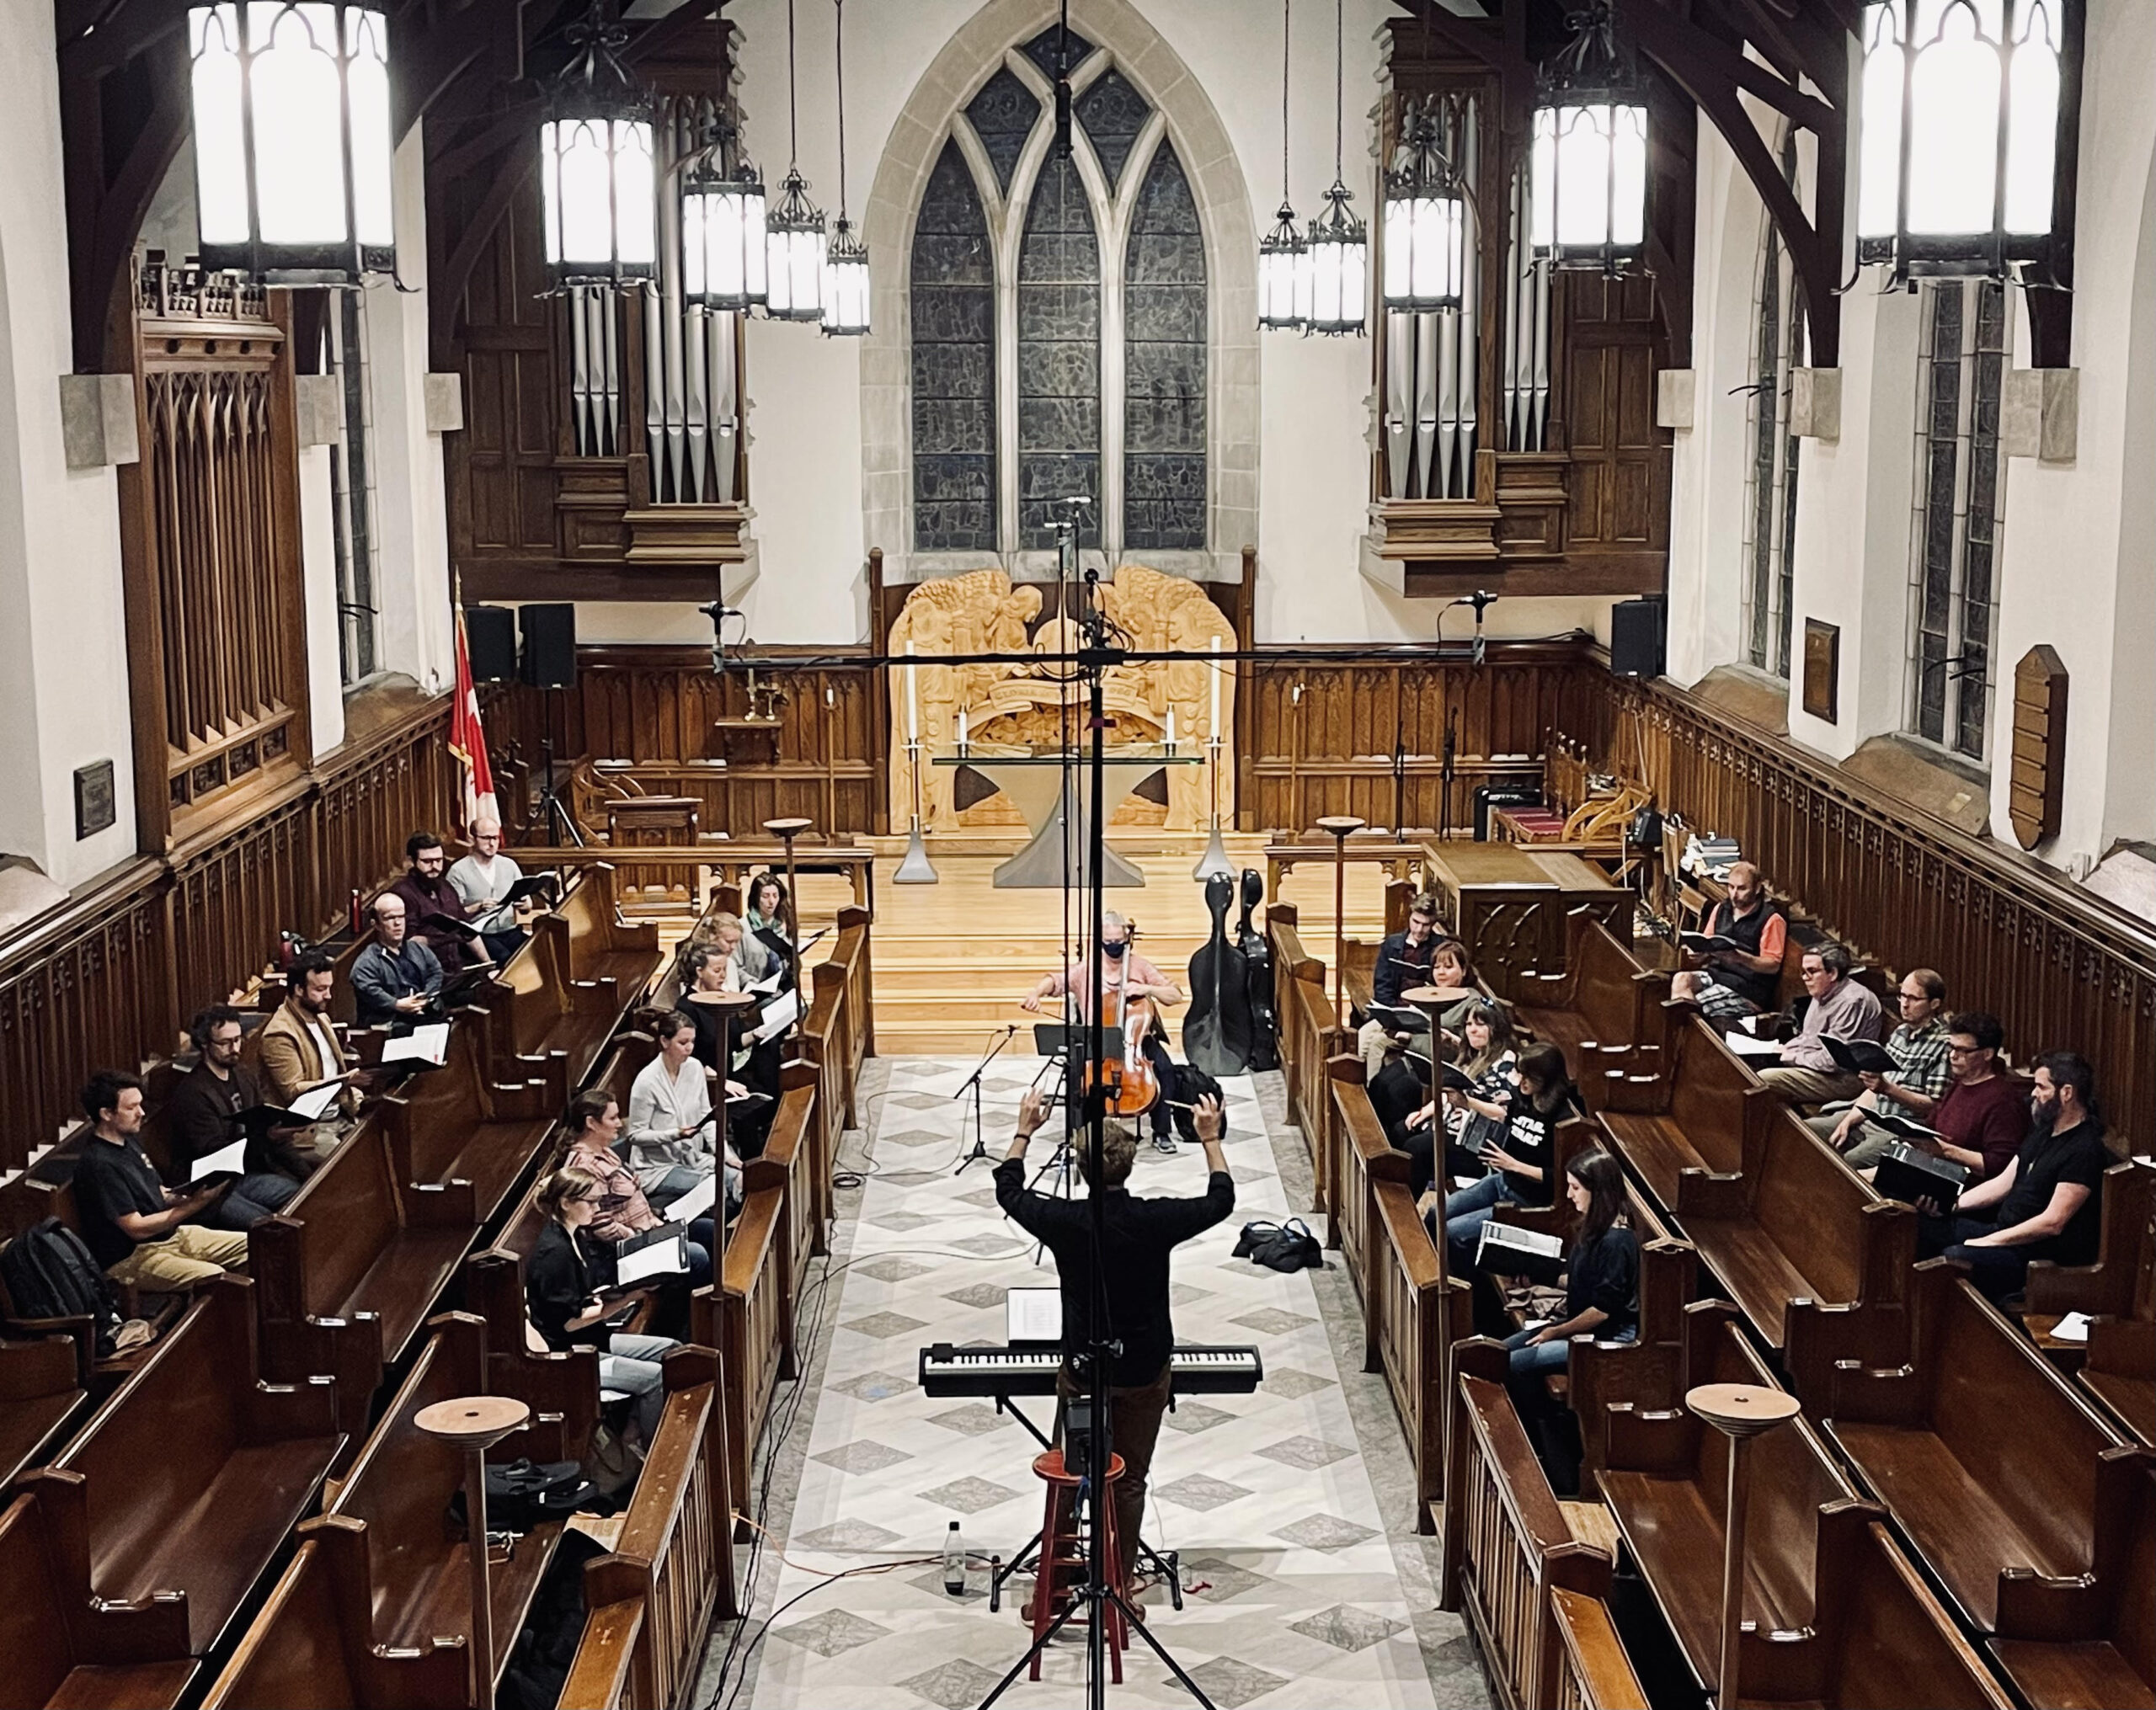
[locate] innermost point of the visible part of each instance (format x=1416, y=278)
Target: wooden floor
x=952, y=959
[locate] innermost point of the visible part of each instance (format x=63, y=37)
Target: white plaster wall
x=318, y=572
x=2076, y=541
x=63, y=637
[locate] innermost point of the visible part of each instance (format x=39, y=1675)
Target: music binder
x=1907, y=1174
x=1511, y=1251
x=1700, y=943
x=655, y=1255
x=1858, y=1056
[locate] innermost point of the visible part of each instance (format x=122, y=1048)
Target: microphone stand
x=972, y=1084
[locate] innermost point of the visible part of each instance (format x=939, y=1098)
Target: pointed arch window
x=1771, y=464
x=1061, y=325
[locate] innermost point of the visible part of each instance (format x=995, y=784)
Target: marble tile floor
x=1292, y=1507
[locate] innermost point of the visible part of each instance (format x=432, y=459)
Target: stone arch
x=972, y=56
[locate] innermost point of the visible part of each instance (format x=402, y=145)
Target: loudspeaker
x=1636, y=637
x=490, y=638
x=549, y=645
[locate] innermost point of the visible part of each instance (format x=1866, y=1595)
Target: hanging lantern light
x=846, y=257
x=1590, y=154
x=794, y=230
x=595, y=164
x=1282, y=277
x=1959, y=128
x=1426, y=211
x=723, y=238
x=1337, y=258
x=292, y=142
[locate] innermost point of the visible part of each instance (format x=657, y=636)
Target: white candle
x=913, y=708
x=962, y=726
x=1171, y=726
x=1216, y=687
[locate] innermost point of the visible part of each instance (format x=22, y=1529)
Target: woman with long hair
x=768, y=911
x=1471, y=1117
x=1602, y=1276
x=1518, y=1158
x=569, y=1281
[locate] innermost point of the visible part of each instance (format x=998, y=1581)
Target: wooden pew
x=2019, y=1492
x=1835, y=1613
x=1309, y=1034
x=650, y=1605
x=1510, y=1555
x=180, y=1491
x=837, y=1034
x=1696, y=1115
x=1605, y=1010
x=459, y=1123
x=2116, y=1668
x=1415, y=1319
x=1816, y=1258
x=785, y=1166
x=1359, y=1156
x=44, y=1387
x=569, y=985
x=350, y=1270
x=396, y=1579
x=748, y=1315
x=2118, y=1364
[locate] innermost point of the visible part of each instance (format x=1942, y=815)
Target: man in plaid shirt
x=1919, y=1048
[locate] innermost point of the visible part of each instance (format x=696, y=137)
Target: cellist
x=1125, y=976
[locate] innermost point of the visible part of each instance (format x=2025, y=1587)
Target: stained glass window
x=955, y=495
x=1163, y=365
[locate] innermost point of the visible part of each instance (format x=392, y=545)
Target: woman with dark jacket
x=1602, y=1275
x=1519, y=1160
x=566, y=1279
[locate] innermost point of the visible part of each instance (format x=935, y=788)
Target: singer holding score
x=1131, y=1280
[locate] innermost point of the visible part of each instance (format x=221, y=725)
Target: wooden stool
x=1063, y=1553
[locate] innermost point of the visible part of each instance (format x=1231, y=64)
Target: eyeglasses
x=1914, y=996
x=1954, y=1050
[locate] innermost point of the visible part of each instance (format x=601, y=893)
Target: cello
x=1127, y=1083
x=1217, y=1032
x=1257, y=957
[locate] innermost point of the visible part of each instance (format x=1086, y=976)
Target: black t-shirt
x=1605, y=1273
x=560, y=1275
x=1527, y=1137
x=2045, y=1160
x=1139, y=1234
x=110, y=1181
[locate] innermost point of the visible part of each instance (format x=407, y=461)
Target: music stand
x=972, y=1084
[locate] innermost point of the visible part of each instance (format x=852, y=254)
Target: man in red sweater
x=1984, y=1112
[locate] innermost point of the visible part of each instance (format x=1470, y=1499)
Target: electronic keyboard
x=946, y=1370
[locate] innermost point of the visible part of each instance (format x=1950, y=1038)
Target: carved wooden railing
x=1308, y=1036
x=110, y=980
x=2062, y=968
x=650, y=1604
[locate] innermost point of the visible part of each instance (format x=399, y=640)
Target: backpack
x=50, y=1274
x=1288, y=1246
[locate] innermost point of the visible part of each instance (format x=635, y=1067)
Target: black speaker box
x=1636, y=637
x=490, y=636
x=549, y=645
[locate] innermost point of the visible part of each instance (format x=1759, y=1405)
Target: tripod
x=551, y=812
x=972, y=1084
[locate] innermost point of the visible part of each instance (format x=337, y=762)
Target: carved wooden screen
x=1619, y=485
x=216, y=635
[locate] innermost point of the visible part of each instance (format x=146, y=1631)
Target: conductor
x=1138, y=1235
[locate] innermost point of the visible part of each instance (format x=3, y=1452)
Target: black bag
x=50, y=1274
x=1288, y=1246
x=522, y=1494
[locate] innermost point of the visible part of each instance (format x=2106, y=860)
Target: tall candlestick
x=1171, y=726
x=1216, y=685
x=913, y=708
x=962, y=726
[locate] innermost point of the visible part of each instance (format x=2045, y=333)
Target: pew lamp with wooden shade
x=1740, y=1412
x=786, y=830
x=475, y=1423
x=1338, y=826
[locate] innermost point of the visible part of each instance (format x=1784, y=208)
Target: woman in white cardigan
x=669, y=1139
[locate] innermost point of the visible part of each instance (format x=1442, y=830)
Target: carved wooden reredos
x=1019, y=707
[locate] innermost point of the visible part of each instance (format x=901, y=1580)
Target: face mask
x=1114, y=952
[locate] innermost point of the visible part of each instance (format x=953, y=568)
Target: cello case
x=1258, y=959
x=1216, y=1033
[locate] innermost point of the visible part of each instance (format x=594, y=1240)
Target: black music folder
x=1907, y=1174
x=1700, y=943
x=1858, y=1056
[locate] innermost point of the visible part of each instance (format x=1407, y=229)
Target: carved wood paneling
x=1618, y=475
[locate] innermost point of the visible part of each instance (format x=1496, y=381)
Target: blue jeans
x=1465, y=1213
x=1544, y=1357
x=251, y=1199
x=631, y=1366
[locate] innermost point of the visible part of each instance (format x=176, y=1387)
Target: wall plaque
x=1823, y=669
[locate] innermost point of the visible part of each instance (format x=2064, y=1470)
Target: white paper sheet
x=2073, y=1328
x=659, y=1260
x=1033, y=1315
x=1753, y=1049
x=312, y=1105
x=225, y=1160
x=779, y=1015
x=697, y=1202
x=427, y=1043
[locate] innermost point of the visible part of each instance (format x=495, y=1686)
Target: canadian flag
x=467, y=738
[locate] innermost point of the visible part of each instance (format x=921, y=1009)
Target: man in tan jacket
x=300, y=1045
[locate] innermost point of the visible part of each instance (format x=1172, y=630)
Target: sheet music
x=1745, y=1045
x=765, y=986
x=429, y=1042
x=315, y=1102
x=225, y=1160
x=697, y=1202
x=659, y=1259
x=1033, y=1315
x=779, y=1015
x=2073, y=1328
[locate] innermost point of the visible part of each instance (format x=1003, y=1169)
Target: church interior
x=1276, y=853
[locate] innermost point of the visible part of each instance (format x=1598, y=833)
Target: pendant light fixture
x=292, y=139
x=1590, y=153
x=795, y=228
x=1426, y=210
x=723, y=255
x=1282, y=277
x=1960, y=107
x=595, y=164
x=846, y=261
x=1338, y=244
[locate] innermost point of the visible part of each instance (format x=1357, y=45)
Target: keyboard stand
x=1168, y=1567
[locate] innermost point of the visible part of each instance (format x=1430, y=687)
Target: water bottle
x=954, y=1562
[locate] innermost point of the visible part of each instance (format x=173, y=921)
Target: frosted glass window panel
x=220, y=143
x=2032, y=121
x=1954, y=89
x=299, y=155
x=579, y=201
x=366, y=80
x=635, y=195
x=1879, y=182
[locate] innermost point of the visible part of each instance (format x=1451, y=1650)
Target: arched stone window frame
x=993, y=38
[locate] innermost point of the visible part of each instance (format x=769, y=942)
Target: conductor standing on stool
x=1139, y=1235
